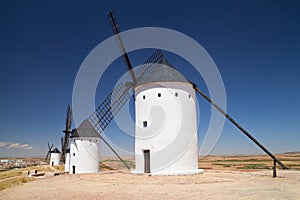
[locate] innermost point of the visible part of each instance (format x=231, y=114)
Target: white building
x=67, y=161
x=54, y=157
x=166, y=123
x=84, y=150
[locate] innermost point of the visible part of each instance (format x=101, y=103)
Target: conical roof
x=55, y=151
x=85, y=130
x=163, y=71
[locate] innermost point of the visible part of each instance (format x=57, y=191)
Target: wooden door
x=147, y=161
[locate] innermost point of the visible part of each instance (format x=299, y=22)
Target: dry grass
x=10, y=173
x=17, y=172
x=13, y=181
x=116, y=164
x=18, y=176
x=248, y=162
x=59, y=167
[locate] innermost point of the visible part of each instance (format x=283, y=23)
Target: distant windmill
x=49, y=152
x=67, y=132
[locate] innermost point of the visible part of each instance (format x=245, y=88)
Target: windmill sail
x=110, y=106
x=67, y=132
x=49, y=151
x=115, y=101
x=148, y=65
x=115, y=28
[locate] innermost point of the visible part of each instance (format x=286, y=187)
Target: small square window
x=145, y=124
x=189, y=96
x=176, y=94
x=73, y=154
x=159, y=95
x=144, y=97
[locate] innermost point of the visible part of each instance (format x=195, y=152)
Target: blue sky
x=255, y=45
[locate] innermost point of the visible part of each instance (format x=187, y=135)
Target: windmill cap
x=162, y=71
x=85, y=129
x=55, y=151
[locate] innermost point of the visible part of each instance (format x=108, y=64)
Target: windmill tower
x=67, y=161
x=84, y=149
x=165, y=139
x=54, y=157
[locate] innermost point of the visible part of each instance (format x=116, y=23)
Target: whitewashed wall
x=54, y=158
x=67, y=162
x=171, y=134
x=85, y=155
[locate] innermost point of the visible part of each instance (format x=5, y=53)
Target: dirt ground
x=213, y=184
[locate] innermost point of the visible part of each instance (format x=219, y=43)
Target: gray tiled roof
x=55, y=151
x=85, y=130
x=163, y=72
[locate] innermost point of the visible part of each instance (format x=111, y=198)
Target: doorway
x=73, y=169
x=146, y=160
x=52, y=163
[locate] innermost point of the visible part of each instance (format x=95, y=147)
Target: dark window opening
x=73, y=154
x=145, y=124
x=189, y=96
x=176, y=94
x=144, y=97
x=159, y=95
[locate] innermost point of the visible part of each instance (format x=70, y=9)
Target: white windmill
x=166, y=125
x=84, y=150
x=54, y=156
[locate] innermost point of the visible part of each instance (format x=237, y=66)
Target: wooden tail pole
x=114, y=152
x=274, y=169
x=241, y=128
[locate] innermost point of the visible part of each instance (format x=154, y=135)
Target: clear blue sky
x=255, y=45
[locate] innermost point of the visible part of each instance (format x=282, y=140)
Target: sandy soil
x=213, y=184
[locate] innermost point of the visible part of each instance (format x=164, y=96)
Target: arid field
x=225, y=177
